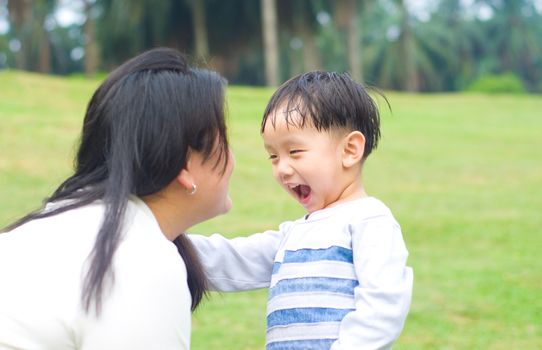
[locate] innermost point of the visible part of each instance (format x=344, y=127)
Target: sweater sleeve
x=382, y=298
x=241, y=263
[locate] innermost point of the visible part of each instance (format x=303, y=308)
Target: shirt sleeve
x=241, y=263
x=382, y=298
x=148, y=306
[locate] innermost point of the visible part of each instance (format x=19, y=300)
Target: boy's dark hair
x=139, y=127
x=327, y=100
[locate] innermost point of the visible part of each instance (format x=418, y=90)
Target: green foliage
x=461, y=178
x=438, y=48
x=498, y=84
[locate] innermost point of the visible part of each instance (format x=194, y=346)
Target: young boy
x=337, y=276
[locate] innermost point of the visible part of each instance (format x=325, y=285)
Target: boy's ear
x=354, y=147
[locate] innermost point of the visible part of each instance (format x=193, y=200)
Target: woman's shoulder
x=75, y=226
x=144, y=245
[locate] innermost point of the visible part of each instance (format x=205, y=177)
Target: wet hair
x=139, y=127
x=326, y=100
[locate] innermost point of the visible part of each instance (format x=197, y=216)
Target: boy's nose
x=284, y=170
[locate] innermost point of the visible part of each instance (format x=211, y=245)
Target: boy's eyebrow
x=267, y=146
x=288, y=141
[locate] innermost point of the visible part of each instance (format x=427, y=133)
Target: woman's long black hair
x=139, y=127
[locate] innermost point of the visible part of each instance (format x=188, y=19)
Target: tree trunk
x=44, y=55
x=311, y=55
x=270, y=40
x=20, y=13
x=346, y=17
x=411, y=81
x=41, y=46
x=200, y=28
x=354, y=47
x=91, y=45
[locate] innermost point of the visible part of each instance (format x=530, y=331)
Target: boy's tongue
x=304, y=191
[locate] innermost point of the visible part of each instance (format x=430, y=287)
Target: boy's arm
x=240, y=263
x=385, y=287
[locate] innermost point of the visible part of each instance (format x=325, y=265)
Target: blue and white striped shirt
x=337, y=279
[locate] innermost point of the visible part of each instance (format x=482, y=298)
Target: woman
x=96, y=267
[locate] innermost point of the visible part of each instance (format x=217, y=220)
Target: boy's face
x=306, y=162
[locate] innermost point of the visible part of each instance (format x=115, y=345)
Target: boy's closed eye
x=296, y=151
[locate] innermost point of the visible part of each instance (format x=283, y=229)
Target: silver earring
x=193, y=190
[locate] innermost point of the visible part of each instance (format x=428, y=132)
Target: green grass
x=462, y=173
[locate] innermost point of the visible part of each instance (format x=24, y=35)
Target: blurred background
x=409, y=45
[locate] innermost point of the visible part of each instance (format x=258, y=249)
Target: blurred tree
x=513, y=39
x=67, y=49
x=200, y=28
x=305, y=26
x=27, y=18
x=402, y=52
x=20, y=15
x=270, y=40
x=92, y=57
x=346, y=18
x=6, y=56
x=299, y=29
x=229, y=31
x=258, y=42
x=127, y=27
x=329, y=42
x=42, y=10
x=454, y=45
x=234, y=33
x=382, y=46
x=408, y=50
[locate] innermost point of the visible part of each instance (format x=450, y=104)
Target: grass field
x=462, y=173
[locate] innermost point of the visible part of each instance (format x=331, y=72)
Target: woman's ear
x=186, y=178
x=354, y=147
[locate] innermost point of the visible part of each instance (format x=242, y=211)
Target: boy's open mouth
x=303, y=192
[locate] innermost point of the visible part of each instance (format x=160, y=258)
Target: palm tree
x=513, y=34
x=403, y=52
x=20, y=13
x=42, y=44
x=407, y=47
x=270, y=39
x=464, y=41
x=346, y=14
x=306, y=29
x=298, y=31
x=91, y=44
x=27, y=18
x=200, y=28
x=128, y=27
x=391, y=48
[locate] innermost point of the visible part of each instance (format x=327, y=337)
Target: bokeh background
x=459, y=164
x=413, y=45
